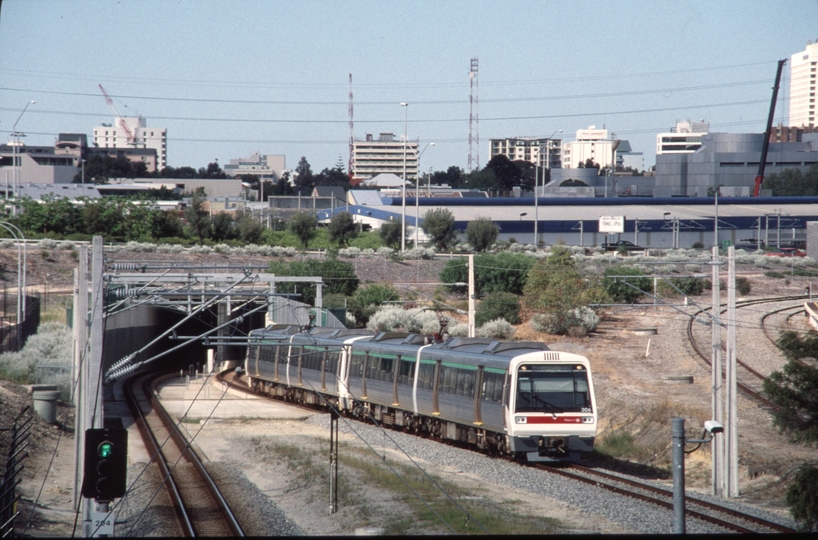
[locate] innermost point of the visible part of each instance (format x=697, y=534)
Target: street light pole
x=536, y=188
x=417, y=196
x=403, y=197
x=15, y=152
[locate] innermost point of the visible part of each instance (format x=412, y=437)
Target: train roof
x=486, y=352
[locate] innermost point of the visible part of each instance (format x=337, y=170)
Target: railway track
x=728, y=518
x=749, y=380
x=766, y=326
x=197, y=503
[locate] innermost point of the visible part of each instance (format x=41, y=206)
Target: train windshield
x=553, y=388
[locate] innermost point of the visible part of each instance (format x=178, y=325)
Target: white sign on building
x=611, y=224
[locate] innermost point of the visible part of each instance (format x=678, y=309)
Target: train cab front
x=554, y=416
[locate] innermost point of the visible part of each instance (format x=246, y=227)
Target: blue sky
x=228, y=78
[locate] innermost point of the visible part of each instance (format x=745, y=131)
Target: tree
x=303, y=175
x=303, y=226
x=99, y=168
x=452, y=177
x=483, y=179
x=626, y=290
x=802, y=496
x=342, y=229
x=197, y=216
x=250, y=229
x=438, y=225
x=501, y=272
x=556, y=288
x=795, y=388
x=222, y=227
x=213, y=170
x=390, y=233
x=507, y=174
x=481, y=233
x=339, y=277
x=793, y=182
x=573, y=182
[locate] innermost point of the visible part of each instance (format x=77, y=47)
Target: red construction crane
x=131, y=138
x=766, y=145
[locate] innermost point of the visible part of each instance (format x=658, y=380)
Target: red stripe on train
x=552, y=420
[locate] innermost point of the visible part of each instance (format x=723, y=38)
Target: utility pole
x=471, y=295
x=716, y=377
x=731, y=427
x=536, y=209
x=93, y=361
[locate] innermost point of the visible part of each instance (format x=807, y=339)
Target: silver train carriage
x=508, y=397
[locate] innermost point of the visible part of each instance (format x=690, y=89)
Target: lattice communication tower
x=474, y=122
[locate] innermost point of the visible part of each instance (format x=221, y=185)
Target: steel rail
x=152, y=446
x=692, y=500
x=147, y=387
x=706, y=357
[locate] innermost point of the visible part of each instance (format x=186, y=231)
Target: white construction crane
x=131, y=136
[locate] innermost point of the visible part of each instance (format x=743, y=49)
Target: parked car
x=621, y=244
x=786, y=252
x=750, y=244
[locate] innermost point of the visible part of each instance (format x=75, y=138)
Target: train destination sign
x=611, y=224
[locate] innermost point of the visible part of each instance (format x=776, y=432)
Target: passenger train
x=516, y=398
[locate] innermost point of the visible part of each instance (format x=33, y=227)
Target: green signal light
x=106, y=449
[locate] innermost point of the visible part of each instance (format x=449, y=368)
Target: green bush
x=689, y=286
x=501, y=272
x=802, y=496
x=339, y=277
x=774, y=274
x=498, y=305
x=626, y=290
x=367, y=300
x=743, y=286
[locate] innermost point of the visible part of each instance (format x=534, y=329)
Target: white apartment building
x=684, y=138
x=802, y=86
x=385, y=154
x=267, y=166
x=543, y=152
x=133, y=132
x=591, y=143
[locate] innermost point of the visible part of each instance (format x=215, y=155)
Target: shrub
x=557, y=323
x=687, y=286
x=626, y=290
x=396, y=319
x=774, y=274
x=498, y=329
x=50, y=346
x=498, y=305
x=481, y=233
x=743, y=286
x=367, y=300
x=419, y=253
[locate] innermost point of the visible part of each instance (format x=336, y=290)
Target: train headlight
x=587, y=419
x=520, y=420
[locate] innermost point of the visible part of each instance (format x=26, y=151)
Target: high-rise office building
x=802, y=86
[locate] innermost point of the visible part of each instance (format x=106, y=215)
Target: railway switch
x=106, y=463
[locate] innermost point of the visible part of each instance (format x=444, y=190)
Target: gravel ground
x=629, y=373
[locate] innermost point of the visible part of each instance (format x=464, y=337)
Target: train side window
x=492, y=386
x=427, y=373
x=407, y=371
x=357, y=363
x=332, y=361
